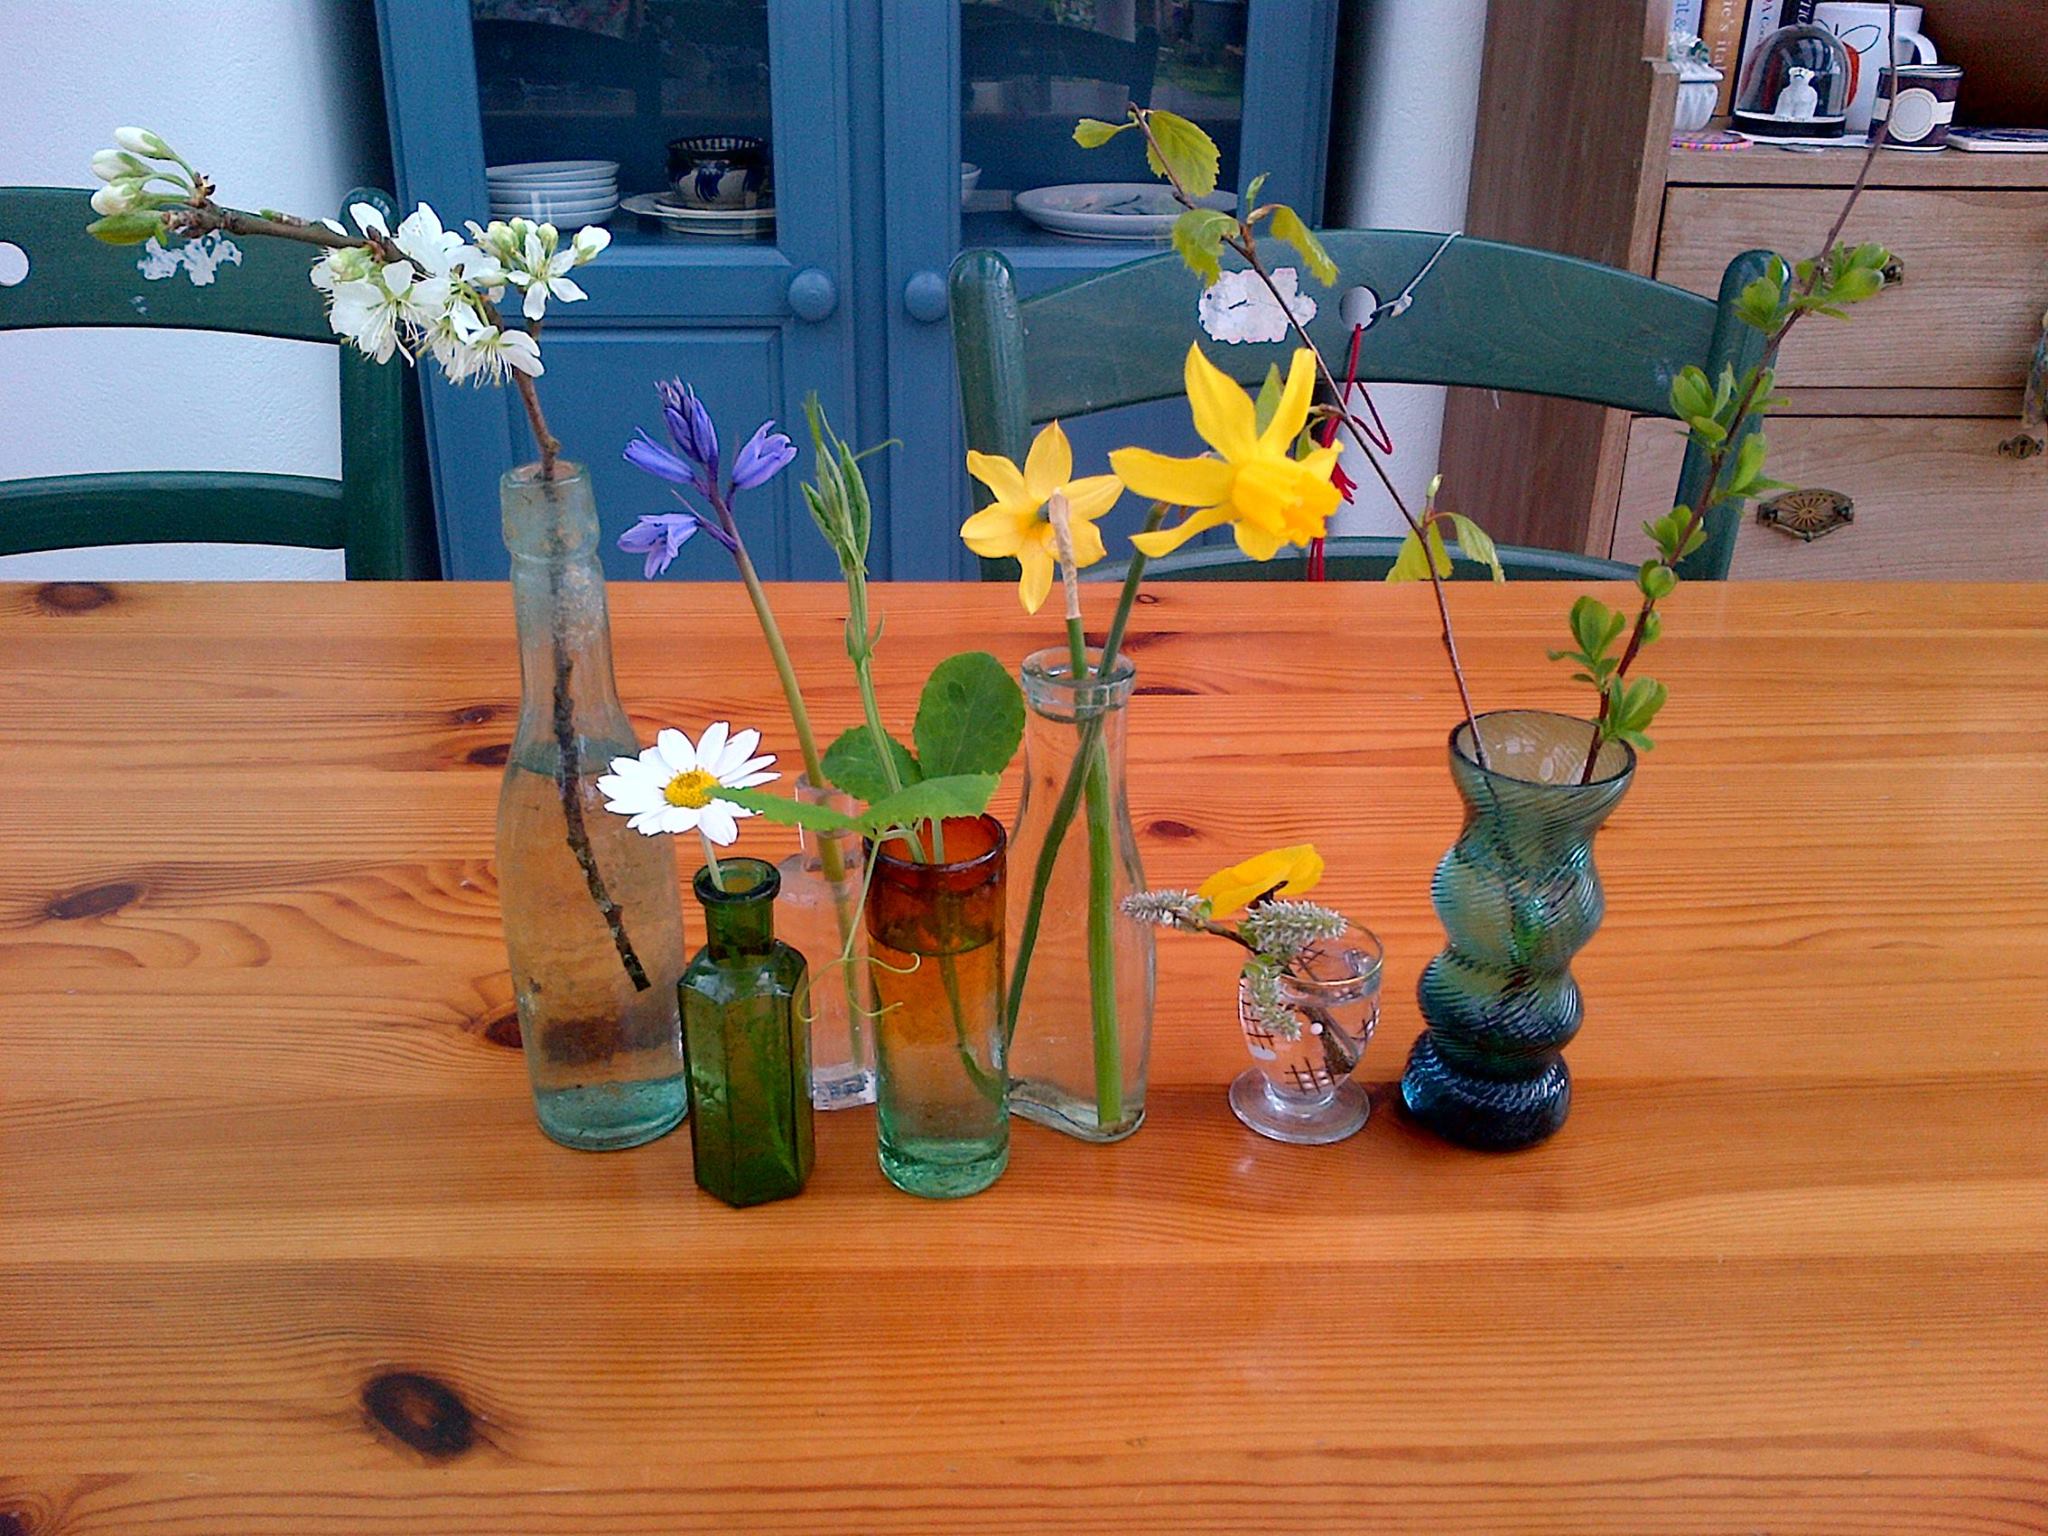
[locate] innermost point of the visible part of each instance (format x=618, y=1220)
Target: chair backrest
x=252, y=287
x=1491, y=315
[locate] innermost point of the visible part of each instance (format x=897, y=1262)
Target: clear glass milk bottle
x=1080, y=994
x=593, y=919
x=819, y=911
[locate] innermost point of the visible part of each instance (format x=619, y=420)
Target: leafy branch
x=1186, y=157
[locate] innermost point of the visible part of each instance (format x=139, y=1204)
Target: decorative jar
x=1307, y=1025
x=819, y=913
x=1518, y=896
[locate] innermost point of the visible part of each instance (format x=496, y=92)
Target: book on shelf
x=2000, y=141
x=1685, y=17
x=1765, y=17
x=1721, y=30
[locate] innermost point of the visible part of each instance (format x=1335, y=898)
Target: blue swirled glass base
x=1518, y=896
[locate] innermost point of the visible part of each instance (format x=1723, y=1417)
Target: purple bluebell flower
x=763, y=458
x=659, y=537
x=645, y=453
x=690, y=428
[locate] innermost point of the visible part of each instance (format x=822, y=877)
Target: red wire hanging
x=1376, y=434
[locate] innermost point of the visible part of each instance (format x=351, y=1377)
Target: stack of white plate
x=670, y=212
x=565, y=193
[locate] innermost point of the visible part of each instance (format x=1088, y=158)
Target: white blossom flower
x=1238, y=307
x=346, y=264
x=487, y=353
x=672, y=786
x=367, y=310
x=369, y=220
x=433, y=251
x=590, y=242
x=543, y=271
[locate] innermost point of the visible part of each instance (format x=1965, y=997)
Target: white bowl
x=555, y=212
x=552, y=170
x=970, y=178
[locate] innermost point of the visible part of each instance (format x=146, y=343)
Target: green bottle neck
x=739, y=921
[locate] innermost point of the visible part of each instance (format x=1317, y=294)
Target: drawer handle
x=1807, y=515
x=1893, y=271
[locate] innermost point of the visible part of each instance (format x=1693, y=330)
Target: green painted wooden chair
x=253, y=287
x=1492, y=315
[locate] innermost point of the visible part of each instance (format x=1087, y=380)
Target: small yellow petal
x=1291, y=415
x=1223, y=413
x=1089, y=498
x=995, y=531
x=999, y=475
x=1166, y=540
x=1049, y=465
x=1037, y=578
x=1177, y=482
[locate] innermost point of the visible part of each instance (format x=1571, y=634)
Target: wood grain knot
x=1148, y=597
x=1173, y=829
x=475, y=714
x=421, y=1413
x=502, y=1028
x=73, y=596
x=1155, y=690
x=93, y=901
x=1145, y=639
x=491, y=754
x=14, y=1523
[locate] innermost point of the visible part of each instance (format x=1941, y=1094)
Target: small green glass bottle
x=748, y=1053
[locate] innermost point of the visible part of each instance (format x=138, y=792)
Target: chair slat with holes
x=376, y=513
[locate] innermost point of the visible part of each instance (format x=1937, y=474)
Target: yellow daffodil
x=1282, y=871
x=1267, y=496
x=1015, y=522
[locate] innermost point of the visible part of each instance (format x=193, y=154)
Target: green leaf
x=1749, y=464
x=1251, y=193
x=1477, y=544
x=970, y=717
x=1652, y=626
x=1691, y=394
x=1595, y=626
x=852, y=765
x=126, y=228
x=786, y=812
x=1270, y=390
x=1198, y=235
x=960, y=794
x=1184, y=150
x=1288, y=226
x=1656, y=579
x=1093, y=133
x=1410, y=563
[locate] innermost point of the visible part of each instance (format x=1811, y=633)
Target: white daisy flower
x=673, y=786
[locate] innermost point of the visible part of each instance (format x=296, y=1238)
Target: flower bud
x=140, y=141
x=113, y=164
x=590, y=242
x=123, y=196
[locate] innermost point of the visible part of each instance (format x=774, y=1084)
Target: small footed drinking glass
x=1307, y=1025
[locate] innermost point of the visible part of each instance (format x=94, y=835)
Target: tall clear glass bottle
x=819, y=912
x=593, y=921
x=1081, y=999
x=749, y=1053
x=936, y=932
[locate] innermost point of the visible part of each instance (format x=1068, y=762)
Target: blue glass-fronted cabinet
x=870, y=110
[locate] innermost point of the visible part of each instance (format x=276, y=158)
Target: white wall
x=1407, y=96
x=280, y=101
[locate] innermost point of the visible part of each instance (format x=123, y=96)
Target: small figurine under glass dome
x=1308, y=997
x=1796, y=87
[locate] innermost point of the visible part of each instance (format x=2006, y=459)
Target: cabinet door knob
x=812, y=294
x=925, y=296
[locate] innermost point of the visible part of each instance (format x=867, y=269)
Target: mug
x=1918, y=102
x=1861, y=26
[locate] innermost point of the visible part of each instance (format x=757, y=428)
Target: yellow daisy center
x=691, y=791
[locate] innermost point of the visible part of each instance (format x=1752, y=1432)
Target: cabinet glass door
x=726, y=121
x=997, y=112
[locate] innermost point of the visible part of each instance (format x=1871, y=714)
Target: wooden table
x=281, y=1250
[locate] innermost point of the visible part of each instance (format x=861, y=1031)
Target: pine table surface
x=281, y=1250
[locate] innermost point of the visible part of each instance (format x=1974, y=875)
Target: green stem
x=1109, y=1075
x=1070, y=793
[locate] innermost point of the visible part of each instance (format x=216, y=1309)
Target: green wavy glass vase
x=1518, y=897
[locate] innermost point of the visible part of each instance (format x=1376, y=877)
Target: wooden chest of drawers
x=1902, y=408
